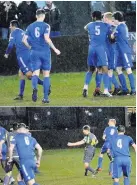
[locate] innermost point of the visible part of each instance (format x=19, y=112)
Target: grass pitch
x=66, y=91
x=65, y=167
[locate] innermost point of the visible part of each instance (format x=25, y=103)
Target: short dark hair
x=21, y=125
x=14, y=23
x=86, y=127
x=97, y=15
x=121, y=128
x=40, y=11
x=118, y=16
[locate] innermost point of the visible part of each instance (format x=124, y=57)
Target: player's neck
x=39, y=20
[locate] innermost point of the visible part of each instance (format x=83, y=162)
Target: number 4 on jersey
x=119, y=143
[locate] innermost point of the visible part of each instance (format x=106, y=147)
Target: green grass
x=66, y=91
x=65, y=167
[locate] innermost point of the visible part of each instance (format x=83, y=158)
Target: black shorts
x=88, y=155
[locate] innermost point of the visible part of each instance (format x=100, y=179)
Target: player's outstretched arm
x=76, y=143
x=39, y=154
x=48, y=40
x=24, y=40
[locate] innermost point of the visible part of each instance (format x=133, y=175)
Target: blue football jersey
x=120, y=145
x=111, y=46
x=98, y=32
x=25, y=145
x=35, y=33
x=110, y=132
x=16, y=40
x=122, y=36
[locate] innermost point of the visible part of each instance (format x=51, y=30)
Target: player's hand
x=70, y=144
x=6, y=55
x=38, y=164
x=57, y=51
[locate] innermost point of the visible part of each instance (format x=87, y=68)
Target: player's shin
x=115, y=82
x=100, y=160
x=34, y=81
x=22, y=87
x=132, y=82
x=106, y=82
x=98, y=79
x=88, y=78
x=126, y=181
x=21, y=183
x=40, y=82
x=7, y=179
x=46, y=86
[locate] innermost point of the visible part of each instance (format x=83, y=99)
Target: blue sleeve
x=47, y=29
x=131, y=142
x=11, y=43
x=3, y=135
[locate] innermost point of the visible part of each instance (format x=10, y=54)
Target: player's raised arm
x=76, y=143
x=39, y=153
x=25, y=41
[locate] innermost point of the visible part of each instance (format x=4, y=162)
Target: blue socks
x=115, y=82
x=100, y=160
x=123, y=83
x=35, y=183
x=132, y=82
x=105, y=80
x=34, y=81
x=6, y=180
x=22, y=87
x=115, y=183
x=126, y=181
x=46, y=86
x=88, y=78
x=111, y=167
x=98, y=79
x=21, y=183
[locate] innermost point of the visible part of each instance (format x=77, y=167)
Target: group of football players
x=116, y=145
x=109, y=50
x=17, y=148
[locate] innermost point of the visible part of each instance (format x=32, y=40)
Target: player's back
x=110, y=132
x=120, y=145
x=122, y=36
x=17, y=36
x=90, y=140
x=35, y=32
x=98, y=32
x=25, y=146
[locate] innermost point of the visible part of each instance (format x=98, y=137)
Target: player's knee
x=110, y=73
x=29, y=74
x=119, y=70
x=36, y=72
x=116, y=180
x=105, y=69
x=21, y=75
x=46, y=73
x=101, y=155
x=129, y=71
x=86, y=165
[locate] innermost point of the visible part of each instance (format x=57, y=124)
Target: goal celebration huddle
x=109, y=51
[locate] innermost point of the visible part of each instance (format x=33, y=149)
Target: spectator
x=27, y=13
x=53, y=18
x=8, y=12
